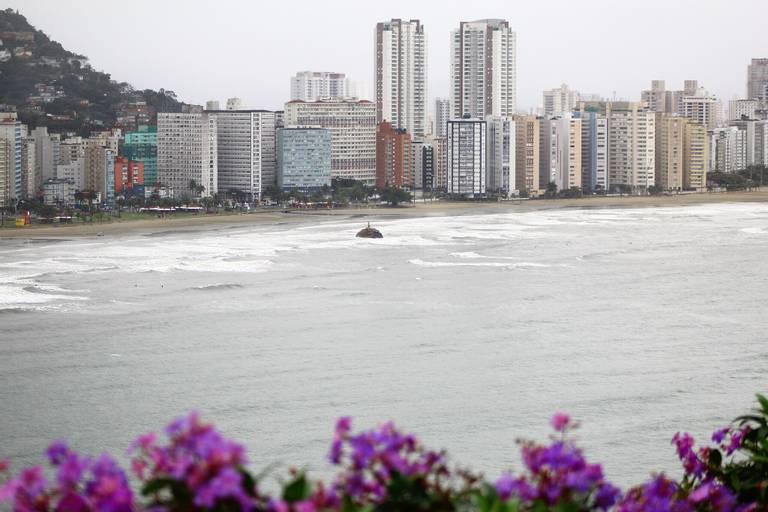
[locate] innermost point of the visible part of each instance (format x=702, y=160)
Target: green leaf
x=248, y=482
x=763, y=403
x=715, y=458
x=298, y=489
x=156, y=485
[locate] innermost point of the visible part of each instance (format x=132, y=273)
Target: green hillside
x=57, y=88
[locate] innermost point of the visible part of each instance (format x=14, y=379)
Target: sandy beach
x=437, y=208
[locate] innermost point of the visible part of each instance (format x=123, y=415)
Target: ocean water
x=470, y=330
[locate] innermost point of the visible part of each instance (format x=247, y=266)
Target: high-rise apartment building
x=594, y=150
x=353, y=134
x=501, y=142
x=467, y=150
x=527, y=147
x=7, y=171
x=141, y=146
x=30, y=186
x=74, y=172
x=303, y=158
x=11, y=130
x=425, y=153
x=761, y=142
x=560, y=101
x=441, y=162
x=682, y=153
x=743, y=109
x=561, y=146
x=728, y=149
x=319, y=85
x=631, y=132
x=395, y=166
x=100, y=168
x=757, y=80
x=71, y=150
x=246, y=151
x=670, y=152
x=129, y=176
x=656, y=98
x=700, y=107
x=187, y=152
x=400, y=76
x=46, y=154
x=696, y=152
x=442, y=114
x=483, y=69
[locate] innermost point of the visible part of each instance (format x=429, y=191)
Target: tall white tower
x=483, y=69
x=401, y=75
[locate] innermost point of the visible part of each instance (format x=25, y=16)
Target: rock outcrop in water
x=369, y=232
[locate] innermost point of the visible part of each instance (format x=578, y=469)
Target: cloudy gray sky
x=214, y=50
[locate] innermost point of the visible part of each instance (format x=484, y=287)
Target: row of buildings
x=474, y=144
x=37, y=163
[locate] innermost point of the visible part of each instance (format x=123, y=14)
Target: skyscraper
x=401, y=75
x=46, y=154
x=559, y=101
x=631, y=142
x=11, y=130
x=353, y=134
x=319, y=85
x=467, y=157
x=527, y=147
x=187, y=151
x=501, y=155
x=442, y=114
x=655, y=98
x=757, y=80
x=141, y=146
x=246, y=151
x=561, y=150
x=483, y=69
x=303, y=158
x=743, y=109
x=700, y=107
x=594, y=151
x=394, y=157
x=7, y=167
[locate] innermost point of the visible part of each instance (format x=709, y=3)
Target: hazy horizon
x=251, y=50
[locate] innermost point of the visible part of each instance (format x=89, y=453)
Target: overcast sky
x=249, y=48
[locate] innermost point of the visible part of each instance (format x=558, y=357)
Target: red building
x=128, y=173
x=394, y=157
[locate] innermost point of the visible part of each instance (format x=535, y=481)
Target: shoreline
x=438, y=208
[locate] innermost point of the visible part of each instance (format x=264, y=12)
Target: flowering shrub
x=194, y=468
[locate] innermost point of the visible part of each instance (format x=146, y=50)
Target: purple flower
x=343, y=426
x=560, y=421
x=336, y=450
x=737, y=437
x=504, y=486
x=56, y=452
x=719, y=435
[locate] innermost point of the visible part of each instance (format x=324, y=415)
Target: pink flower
x=560, y=421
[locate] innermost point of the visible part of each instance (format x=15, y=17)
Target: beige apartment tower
x=527, y=153
x=682, y=153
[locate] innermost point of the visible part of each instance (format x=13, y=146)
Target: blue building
x=303, y=158
x=141, y=146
